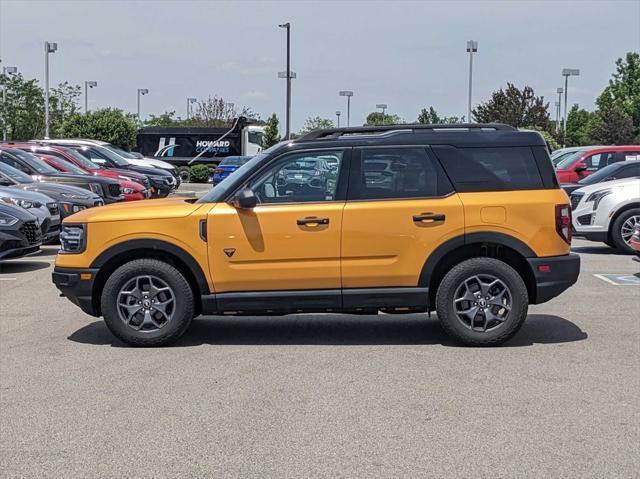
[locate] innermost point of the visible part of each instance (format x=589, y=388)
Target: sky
x=406, y=54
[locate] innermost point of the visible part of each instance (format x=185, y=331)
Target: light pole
x=6, y=71
x=87, y=85
x=338, y=117
x=348, y=94
x=189, y=102
x=382, y=106
x=472, y=47
x=559, y=91
x=287, y=26
x=566, y=73
x=48, y=48
x=141, y=91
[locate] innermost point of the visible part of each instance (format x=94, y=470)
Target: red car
x=634, y=242
x=581, y=164
x=132, y=191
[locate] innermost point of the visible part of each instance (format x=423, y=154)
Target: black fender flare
x=156, y=245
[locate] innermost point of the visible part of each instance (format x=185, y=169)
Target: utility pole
x=48, y=48
x=472, y=47
x=87, y=85
x=287, y=26
x=6, y=71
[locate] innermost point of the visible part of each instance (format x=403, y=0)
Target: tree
x=315, y=123
x=514, y=107
x=431, y=117
x=23, y=112
x=578, y=126
x=63, y=103
x=623, y=91
x=378, y=118
x=166, y=119
x=216, y=112
x=271, y=136
x=552, y=143
x=611, y=126
x=108, y=124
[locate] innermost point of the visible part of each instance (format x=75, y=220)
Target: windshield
x=117, y=159
x=118, y=151
x=235, y=161
x=81, y=159
x=38, y=165
x=568, y=160
x=558, y=158
x=67, y=165
x=14, y=174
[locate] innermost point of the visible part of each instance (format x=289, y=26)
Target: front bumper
x=553, y=275
x=77, y=285
x=14, y=244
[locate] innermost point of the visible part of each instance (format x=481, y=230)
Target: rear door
x=400, y=207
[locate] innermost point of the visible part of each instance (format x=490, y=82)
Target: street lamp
x=141, y=91
x=48, y=48
x=189, y=102
x=348, y=94
x=87, y=85
x=382, y=106
x=566, y=73
x=6, y=71
x=559, y=91
x=472, y=47
x=287, y=26
x=338, y=117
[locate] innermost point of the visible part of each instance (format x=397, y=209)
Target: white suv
x=607, y=212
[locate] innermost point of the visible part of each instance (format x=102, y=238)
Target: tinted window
x=301, y=177
x=15, y=173
x=8, y=160
x=601, y=160
x=235, y=161
x=491, y=169
x=388, y=173
x=629, y=171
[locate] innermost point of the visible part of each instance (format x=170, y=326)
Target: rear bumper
x=553, y=275
x=78, y=290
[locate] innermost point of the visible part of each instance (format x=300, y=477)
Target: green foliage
x=63, y=103
x=315, y=123
x=431, y=117
x=578, y=126
x=108, y=124
x=612, y=126
x=514, y=107
x=271, y=136
x=552, y=143
x=199, y=174
x=623, y=91
x=23, y=112
x=166, y=119
x=378, y=118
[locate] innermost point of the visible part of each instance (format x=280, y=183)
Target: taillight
x=563, y=222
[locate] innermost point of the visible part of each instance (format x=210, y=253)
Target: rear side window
x=396, y=173
x=490, y=169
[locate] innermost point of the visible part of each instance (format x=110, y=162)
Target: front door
x=291, y=240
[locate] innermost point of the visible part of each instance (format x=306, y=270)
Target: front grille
x=146, y=182
x=11, y=244
x=114, y=190
x=31, y=231
x=53, y=209
x=98, y=203
x=585, y=220
x=575, y=199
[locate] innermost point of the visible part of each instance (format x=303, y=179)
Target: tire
x=154, y=328
x=621, y=222
x=504, y=324
x=184, y=173
x=610, y=244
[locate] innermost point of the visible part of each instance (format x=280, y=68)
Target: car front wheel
x=147, y=302
x=482, y=302
x=622, y=230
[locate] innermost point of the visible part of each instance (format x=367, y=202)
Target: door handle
x=313, y=222
x=428, y=218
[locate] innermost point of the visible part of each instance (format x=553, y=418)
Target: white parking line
x=622, y=278
x=8, y=279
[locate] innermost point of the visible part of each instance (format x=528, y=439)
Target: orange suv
x=466, y=220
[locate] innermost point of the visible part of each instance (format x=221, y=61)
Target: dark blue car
x=227, y=166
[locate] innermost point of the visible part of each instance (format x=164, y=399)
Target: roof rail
x=379, y=130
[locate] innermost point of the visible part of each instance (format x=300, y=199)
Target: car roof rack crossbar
x=379, y=130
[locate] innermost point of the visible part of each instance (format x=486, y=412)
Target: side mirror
x=580, y=167
x=245, y=199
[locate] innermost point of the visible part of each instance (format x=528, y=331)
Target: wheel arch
x=616, y=215
x=111, y=259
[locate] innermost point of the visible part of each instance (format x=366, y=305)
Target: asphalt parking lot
x=322, y=395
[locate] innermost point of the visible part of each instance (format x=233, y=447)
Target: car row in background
x=574, y=166
x=227, y=166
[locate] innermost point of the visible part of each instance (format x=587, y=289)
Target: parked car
x=615, y=171
x=41, y=206
x=608, y=212
x=162, y=182
x=306, y=176
x=424, y=241
x=132, y=191
x=70, y=199
x=558, y=155
x=20, y=232
x=28, y=163
x=227, y=166
x=581, y=164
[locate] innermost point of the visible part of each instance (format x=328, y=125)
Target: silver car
x=41, y=206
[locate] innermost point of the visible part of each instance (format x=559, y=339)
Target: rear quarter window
x=490, y=169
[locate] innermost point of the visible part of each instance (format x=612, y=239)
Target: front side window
x=396, y=173
x=299, y=178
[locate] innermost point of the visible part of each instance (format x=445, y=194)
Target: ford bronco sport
x=466, y=220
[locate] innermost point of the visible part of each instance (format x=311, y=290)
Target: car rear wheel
x=147, y=302
x=622, y=230
x=482, y=302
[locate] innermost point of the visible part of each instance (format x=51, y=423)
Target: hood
x=151, y=162
x=18, y=193
x=632, y=184
x=174, y=207
x=60, y=192
x=150, y=170
x=125, y=173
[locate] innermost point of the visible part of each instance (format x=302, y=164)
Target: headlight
x=22, y=203
x=96, y=188
x=597, y=196
x=71, y=208
x=73, y=238
x=128, y=191
x=7, y=219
